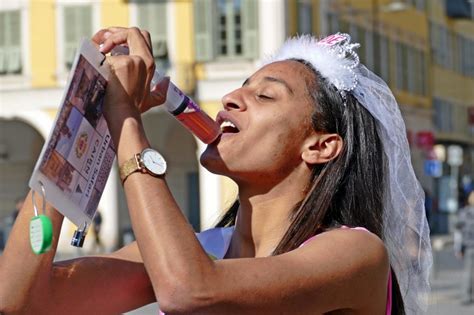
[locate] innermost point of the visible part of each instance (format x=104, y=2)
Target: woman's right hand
x=129, y=82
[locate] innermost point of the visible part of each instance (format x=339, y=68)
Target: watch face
x=153, y=162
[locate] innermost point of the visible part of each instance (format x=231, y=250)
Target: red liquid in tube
x=188, y=112
x=182, y=107
x=198, y=122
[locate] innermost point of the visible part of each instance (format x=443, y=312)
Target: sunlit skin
x=272, y=116
x=270, y=159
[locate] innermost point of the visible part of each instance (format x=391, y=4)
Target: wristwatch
x=148, y=161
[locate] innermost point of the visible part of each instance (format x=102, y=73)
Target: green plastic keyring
x=41, y=234
x=41, y=228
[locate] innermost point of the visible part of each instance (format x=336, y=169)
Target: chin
x=212, y=161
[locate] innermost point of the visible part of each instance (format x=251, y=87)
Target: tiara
x=333, y=57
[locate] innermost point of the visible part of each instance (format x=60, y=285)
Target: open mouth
x=228, y=127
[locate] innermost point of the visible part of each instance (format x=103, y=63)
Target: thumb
x=158, y=94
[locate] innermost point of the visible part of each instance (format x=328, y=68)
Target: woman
x=317, y=147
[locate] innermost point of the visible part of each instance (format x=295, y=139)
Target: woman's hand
x=128, y=91
x=129, y=82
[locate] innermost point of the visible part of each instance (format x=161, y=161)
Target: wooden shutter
x=3, y=31
x=13, y=52
x=152, y=17
x=384, y=59
x=204, y=25
x=250, y=28
x=10, y=42
x=77, y=24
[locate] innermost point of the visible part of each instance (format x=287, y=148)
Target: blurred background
x=423, y=49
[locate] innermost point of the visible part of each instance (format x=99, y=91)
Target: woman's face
x=265, y=123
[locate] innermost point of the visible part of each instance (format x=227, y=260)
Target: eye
x=264, y=97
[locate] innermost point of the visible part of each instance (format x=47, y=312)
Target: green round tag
x=41, y=234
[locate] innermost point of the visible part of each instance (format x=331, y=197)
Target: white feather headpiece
x=406, y=230
x=333, y=57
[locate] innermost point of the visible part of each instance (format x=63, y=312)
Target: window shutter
x=77, y=24
x=152, y=17
x=10, y=42
x=204, y=25
x=411, y=70
x=13, y=59
x=70, y=25
x=305, y=18
x=385, y=59
x=3, y=31
x=13, y=50
x=250, y=28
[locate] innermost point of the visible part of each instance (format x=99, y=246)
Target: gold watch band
x=129, y=167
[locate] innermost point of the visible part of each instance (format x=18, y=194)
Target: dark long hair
x=348, y=190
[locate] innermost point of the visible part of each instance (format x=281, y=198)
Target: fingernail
x=101, y=47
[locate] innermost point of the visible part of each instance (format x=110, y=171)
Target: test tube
x=182, y=107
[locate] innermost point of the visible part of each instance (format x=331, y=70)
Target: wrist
x=129, y=139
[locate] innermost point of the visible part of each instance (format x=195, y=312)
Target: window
x=442, y=115
x=451, y=117
x=305, y=17
x=467, y=51
x=229, y=28
x=402, y=66
x=460, y=123
x=151, y=16
x=77, y=24
x=457, y=52
x=226, y=28
x=358, y=35
x=333, y=23
x=443, y=46
x=384, y=59
x=411, y=69
x=411, y=72
x=369, y=49
x=10, y=42
x=420, y=5
x=422, y=73
x=435, y=43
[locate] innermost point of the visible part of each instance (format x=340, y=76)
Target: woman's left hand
x=128, y=89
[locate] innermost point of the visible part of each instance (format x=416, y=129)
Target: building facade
x=208, y=48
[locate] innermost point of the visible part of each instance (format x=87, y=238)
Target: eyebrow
x=273, y=79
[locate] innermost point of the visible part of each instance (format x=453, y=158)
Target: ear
x=322, y=148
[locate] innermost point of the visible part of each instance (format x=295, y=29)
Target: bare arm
x=342, y=269
x=33, y=284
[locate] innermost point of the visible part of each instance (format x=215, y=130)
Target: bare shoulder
x=357, y=258
x=358, y=242
x=363, y=249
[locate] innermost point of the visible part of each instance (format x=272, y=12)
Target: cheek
x=280, y=146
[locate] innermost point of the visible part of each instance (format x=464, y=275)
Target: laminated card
x=77, y=157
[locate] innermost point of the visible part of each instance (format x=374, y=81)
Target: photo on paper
x=68, y=131
x=87, y=91
x=74, y=137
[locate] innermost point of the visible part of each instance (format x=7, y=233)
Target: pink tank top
x=388, y=310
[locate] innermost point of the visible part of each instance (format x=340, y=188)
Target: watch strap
x=130, y=166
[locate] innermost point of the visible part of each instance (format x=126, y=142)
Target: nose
x=234, y=101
